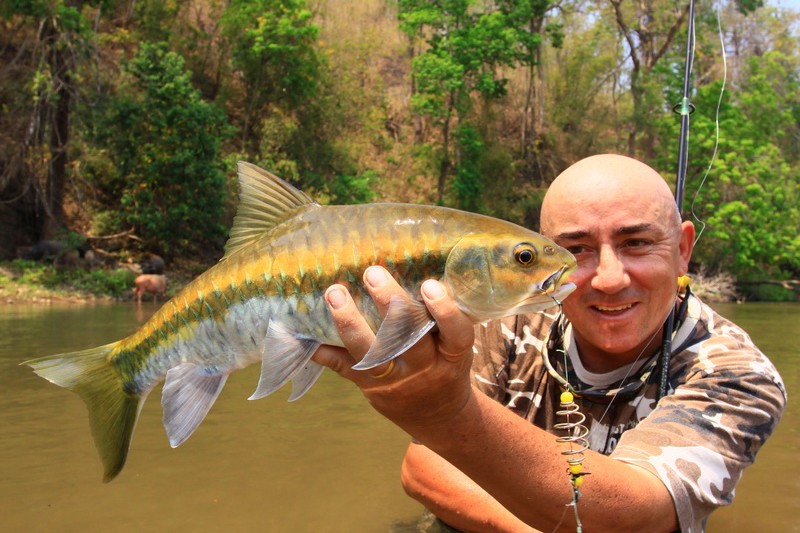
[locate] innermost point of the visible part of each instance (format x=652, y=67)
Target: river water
x=325, y=463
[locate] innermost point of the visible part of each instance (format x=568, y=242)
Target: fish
x=264, y=302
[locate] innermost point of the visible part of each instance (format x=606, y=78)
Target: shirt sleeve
x=699, y=439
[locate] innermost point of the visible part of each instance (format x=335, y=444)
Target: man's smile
x=612, y=309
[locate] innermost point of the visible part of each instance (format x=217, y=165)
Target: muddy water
x=325, y=463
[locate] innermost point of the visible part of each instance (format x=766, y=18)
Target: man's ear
x=686, y=245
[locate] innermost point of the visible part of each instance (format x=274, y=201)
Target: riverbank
x=34, y=282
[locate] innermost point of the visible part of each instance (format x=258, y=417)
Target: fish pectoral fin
x=304, y=379
x=407, y=321
x=189, y=392
x=286, y=354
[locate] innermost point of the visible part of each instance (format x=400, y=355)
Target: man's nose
x=611, y=275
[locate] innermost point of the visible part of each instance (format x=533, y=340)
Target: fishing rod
x=684, y=109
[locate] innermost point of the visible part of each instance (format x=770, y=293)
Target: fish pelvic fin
x=287, y=356
x=407, y=321
x=112, y=412
x=265, y=201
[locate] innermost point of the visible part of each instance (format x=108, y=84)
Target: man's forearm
x=453, y=497
x=523, y=468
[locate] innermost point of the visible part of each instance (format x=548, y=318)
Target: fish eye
x=525, y=254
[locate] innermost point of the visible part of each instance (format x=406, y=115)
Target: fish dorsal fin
x=188, y=394
x=265, y=201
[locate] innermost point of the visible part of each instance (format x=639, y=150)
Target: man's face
x=630, y=250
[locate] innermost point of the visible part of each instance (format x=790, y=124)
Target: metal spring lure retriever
x=575, y=433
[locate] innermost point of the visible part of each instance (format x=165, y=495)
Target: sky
x=791, y=4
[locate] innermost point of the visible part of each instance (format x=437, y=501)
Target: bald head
x=604, y=179
x=618, y=217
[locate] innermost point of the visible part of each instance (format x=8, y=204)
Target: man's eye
x=576, y=249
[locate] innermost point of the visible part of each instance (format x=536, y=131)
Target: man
x=485, y=457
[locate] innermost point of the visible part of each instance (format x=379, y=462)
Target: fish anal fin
x=189, y=392
x=285, y=354
x=407, y=321
x=265, y=201
x=112, y=411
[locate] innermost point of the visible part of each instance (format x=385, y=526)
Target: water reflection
x=324, y=463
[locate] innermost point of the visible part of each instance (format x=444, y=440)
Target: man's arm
x=453, y=497
x=428, y=394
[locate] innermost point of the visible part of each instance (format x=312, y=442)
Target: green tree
x=469, y=185
x=749, y=204
x=649, y=30
x=166, y=140
x=272, y=54
x=464, y=47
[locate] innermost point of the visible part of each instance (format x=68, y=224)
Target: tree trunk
x=57, y=171
x=444, y=168
x=59, y=136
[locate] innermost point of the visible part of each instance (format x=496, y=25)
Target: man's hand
x=429, y=382
x=428, y=394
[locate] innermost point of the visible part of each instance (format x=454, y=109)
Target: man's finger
x=356, y=336
x=381, y=287
x=353, y=328
x=456, y=334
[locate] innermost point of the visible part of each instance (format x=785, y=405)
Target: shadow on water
x=325, y=463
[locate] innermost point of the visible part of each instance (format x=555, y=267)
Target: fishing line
x=577, y=434
x=716, y=126
x=685, y=109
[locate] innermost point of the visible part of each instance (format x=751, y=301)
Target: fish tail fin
x=112, y=411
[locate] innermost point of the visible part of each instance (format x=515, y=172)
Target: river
x=325, y=463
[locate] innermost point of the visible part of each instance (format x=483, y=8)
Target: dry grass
x=714, y=288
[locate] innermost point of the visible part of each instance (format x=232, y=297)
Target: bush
x=99, y=282
x=165, y=140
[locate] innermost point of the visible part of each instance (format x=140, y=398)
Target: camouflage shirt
x=725, y=398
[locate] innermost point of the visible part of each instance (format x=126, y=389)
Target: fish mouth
x=562, y=292
x=550, y=291
x=551, y=284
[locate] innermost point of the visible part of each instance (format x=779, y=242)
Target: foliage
x=455, y=101
x=116, y=283
x=166, y=140
x=42, y=76
x=353, y=189
x=465, y=47
x=748, y=206
x=272, y=51
x=469, y=185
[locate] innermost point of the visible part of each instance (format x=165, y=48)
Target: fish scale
x=264, y=301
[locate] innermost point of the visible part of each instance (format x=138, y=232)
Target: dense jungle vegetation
x=122, y=120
